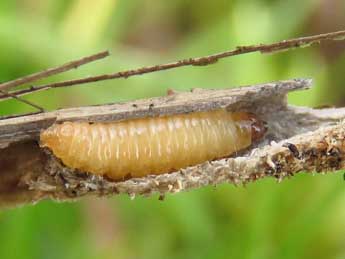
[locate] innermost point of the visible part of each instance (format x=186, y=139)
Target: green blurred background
x=299, y=218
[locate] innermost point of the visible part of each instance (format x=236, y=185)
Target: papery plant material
x=297, y=139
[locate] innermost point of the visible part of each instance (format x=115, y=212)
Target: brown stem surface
x=298, y=139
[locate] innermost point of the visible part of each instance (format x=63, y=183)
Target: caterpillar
x=138, y=147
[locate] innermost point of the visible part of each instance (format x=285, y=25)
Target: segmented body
x=138, y=147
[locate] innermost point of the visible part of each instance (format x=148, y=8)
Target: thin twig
x=201, y=61
x=22, y=100
x=53, y=71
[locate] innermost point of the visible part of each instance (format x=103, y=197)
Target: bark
x=298, y=139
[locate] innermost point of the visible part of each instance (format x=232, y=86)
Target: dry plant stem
x=307, y=140
x=53, y=71
x=201, y=61
x=22, y=100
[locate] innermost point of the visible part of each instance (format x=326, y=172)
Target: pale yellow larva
x=139, y=147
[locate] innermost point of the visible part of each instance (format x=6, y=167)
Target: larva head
x=249, y=120
x=258, y=127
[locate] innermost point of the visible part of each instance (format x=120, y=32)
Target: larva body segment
x=139, y=147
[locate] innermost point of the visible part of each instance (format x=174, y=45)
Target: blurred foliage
x=298, y=218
